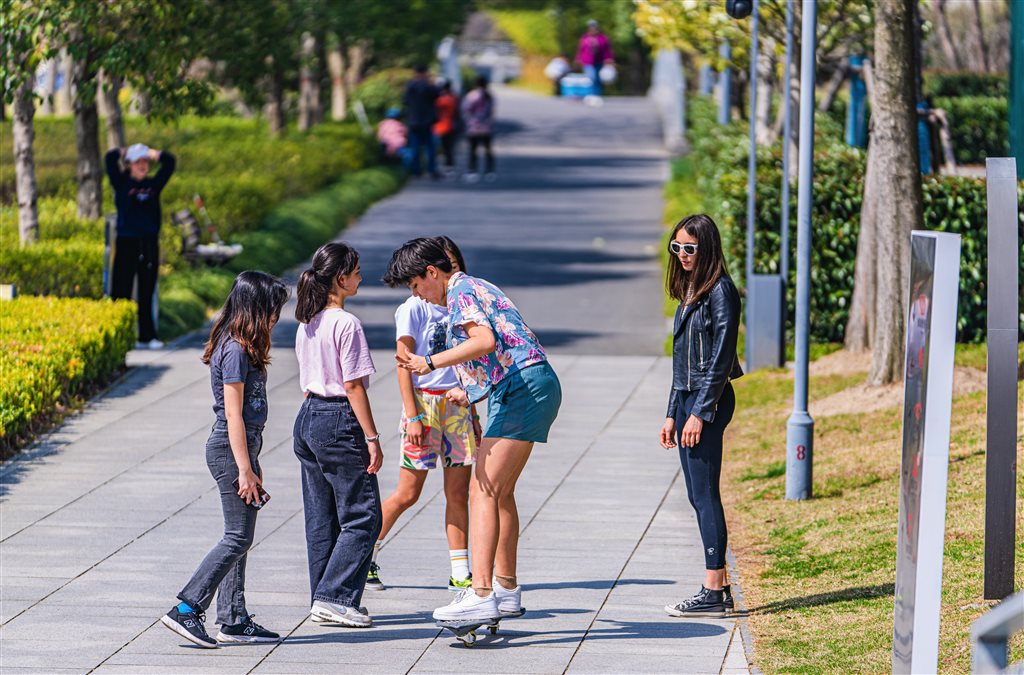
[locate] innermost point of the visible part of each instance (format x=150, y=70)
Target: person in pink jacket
x=594, y=51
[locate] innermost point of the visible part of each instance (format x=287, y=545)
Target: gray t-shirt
x=229, y=363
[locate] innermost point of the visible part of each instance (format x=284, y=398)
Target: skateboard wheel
x=469, y=639
x=494, y=630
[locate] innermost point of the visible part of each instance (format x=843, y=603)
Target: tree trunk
x=87, y=142
x=275, y=103
x=62, y=98
x=860, y=333
x=945, y=41
x=898, y=203
x=765, y=88
x=307, y=84
x=358, y=54
x=49, y=87
x=111, y=110
x=24, y=164
x=339, y=93
x=979, y=36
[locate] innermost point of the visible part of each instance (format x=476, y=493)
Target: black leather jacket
x=704, y=348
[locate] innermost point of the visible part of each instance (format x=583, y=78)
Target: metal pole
x=751, y=182
x=787, y=135
x=725, y=85
x=1017, y=84
x=800, y=427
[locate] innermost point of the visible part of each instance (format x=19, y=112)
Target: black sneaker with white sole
x=189, y=625
x=706, y=602
x=248, y=631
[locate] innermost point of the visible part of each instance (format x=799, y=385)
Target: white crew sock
x=376, y=550
x=460, y=563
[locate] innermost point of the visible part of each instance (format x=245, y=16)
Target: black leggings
x=702, y=469
x=474, y=143
x=137, y=257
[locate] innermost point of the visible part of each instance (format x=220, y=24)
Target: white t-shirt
x=427, y=324
x=332, y=350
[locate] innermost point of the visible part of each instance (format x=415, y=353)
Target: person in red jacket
x=446, y=126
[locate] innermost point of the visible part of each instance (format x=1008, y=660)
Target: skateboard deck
x=465, y=631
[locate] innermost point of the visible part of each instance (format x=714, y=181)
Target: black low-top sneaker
x=247, y=631
x=706, y=602
x=727, y=600
x=189, y=625
x=373, y=582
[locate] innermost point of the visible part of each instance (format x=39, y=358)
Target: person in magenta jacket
x=594, y=51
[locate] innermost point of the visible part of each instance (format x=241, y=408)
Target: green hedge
x=979, y=127
x=382, y=90
x=50, y=350
x=717, y=165
x=965, y=83
x=287, y=236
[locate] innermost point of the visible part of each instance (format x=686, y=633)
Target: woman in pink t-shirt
x=335, y=438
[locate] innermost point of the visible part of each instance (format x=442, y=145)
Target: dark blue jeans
x=341, y=500
x=420, y=139
x=223, y=568
x=702, y=469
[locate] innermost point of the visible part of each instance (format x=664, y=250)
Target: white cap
x=137, y=152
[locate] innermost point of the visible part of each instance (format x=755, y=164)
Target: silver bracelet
x=371, y=439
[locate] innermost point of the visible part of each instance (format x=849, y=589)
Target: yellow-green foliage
x=50, y=348
x=534, y=32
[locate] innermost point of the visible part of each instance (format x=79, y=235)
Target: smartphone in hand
x=264, y=496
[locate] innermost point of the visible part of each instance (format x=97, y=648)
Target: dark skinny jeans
x=341, y=501
x=223, y=568
x=702, y=469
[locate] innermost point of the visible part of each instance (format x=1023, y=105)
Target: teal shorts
x=524, y=405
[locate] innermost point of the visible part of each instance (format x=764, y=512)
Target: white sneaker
x=346, y=616
x=320, y=619
x=490, y=177
x=471, y=177
x=468, y=606
x=510, y=601
x=155, y=344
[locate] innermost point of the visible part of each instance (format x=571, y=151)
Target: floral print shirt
x=472, y=300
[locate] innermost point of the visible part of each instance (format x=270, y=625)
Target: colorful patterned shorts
x=447, y=433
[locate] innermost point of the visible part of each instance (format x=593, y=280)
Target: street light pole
x=787, y=135
x=725, y=84
x=751, y=177
x=800, y=427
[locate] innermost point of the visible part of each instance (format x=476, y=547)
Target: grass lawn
x=818, y=575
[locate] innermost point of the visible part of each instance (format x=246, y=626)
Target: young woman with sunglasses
x=702, y=401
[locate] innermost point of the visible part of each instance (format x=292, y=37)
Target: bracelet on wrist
x=430, y=362
x=371, y=439
x=476, y=417
x=417, y=418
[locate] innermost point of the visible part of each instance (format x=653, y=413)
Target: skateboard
x=465, y=631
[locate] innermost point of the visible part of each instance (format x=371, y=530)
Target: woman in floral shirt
x=499, y=358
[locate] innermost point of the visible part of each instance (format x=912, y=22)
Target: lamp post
x=787, y=134
x=751, y=179
x=800, y=427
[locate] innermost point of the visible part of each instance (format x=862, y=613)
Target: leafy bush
x=979, y=127
x=382, y=90
x=64, y=267
x=50, y=349
x=965, y=83
x=718, y=165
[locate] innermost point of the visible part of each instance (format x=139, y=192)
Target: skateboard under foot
x=465, y=631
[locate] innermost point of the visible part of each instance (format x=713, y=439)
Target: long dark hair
x=329, y=262
x=414, y=256
x=710, y=265
x=249, y=314
x=451, y=247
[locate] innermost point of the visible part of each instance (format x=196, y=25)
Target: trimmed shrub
x=965, y=83
x=979, y=127
x=64, y=267
x=50, y=350
x=382, y=90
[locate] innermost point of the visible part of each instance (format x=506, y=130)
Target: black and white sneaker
x=706, y=602
x=189, y=625
x=248, y=631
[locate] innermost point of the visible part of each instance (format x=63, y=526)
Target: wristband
x=430, y=363
x=415, y=419
x=476, y=417
x=371, y=439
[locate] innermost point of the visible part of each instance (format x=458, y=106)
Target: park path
x=102, y=521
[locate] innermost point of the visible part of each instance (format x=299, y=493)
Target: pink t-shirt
x=332, y=350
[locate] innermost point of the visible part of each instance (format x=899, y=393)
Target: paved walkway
x=102, y=521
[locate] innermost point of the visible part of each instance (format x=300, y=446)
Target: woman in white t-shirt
x=437, y=427
x=335, y=438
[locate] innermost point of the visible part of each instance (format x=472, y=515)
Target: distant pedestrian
x=238, y=353
x=446, y=128
x=393, y=136
x=419, y=101
x=335, y=438
x=701, y=401
x=498, y=358
x=594, y=51
x=137, y=252
x=478, y=112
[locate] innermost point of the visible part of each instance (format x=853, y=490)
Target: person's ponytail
x=329, y=262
